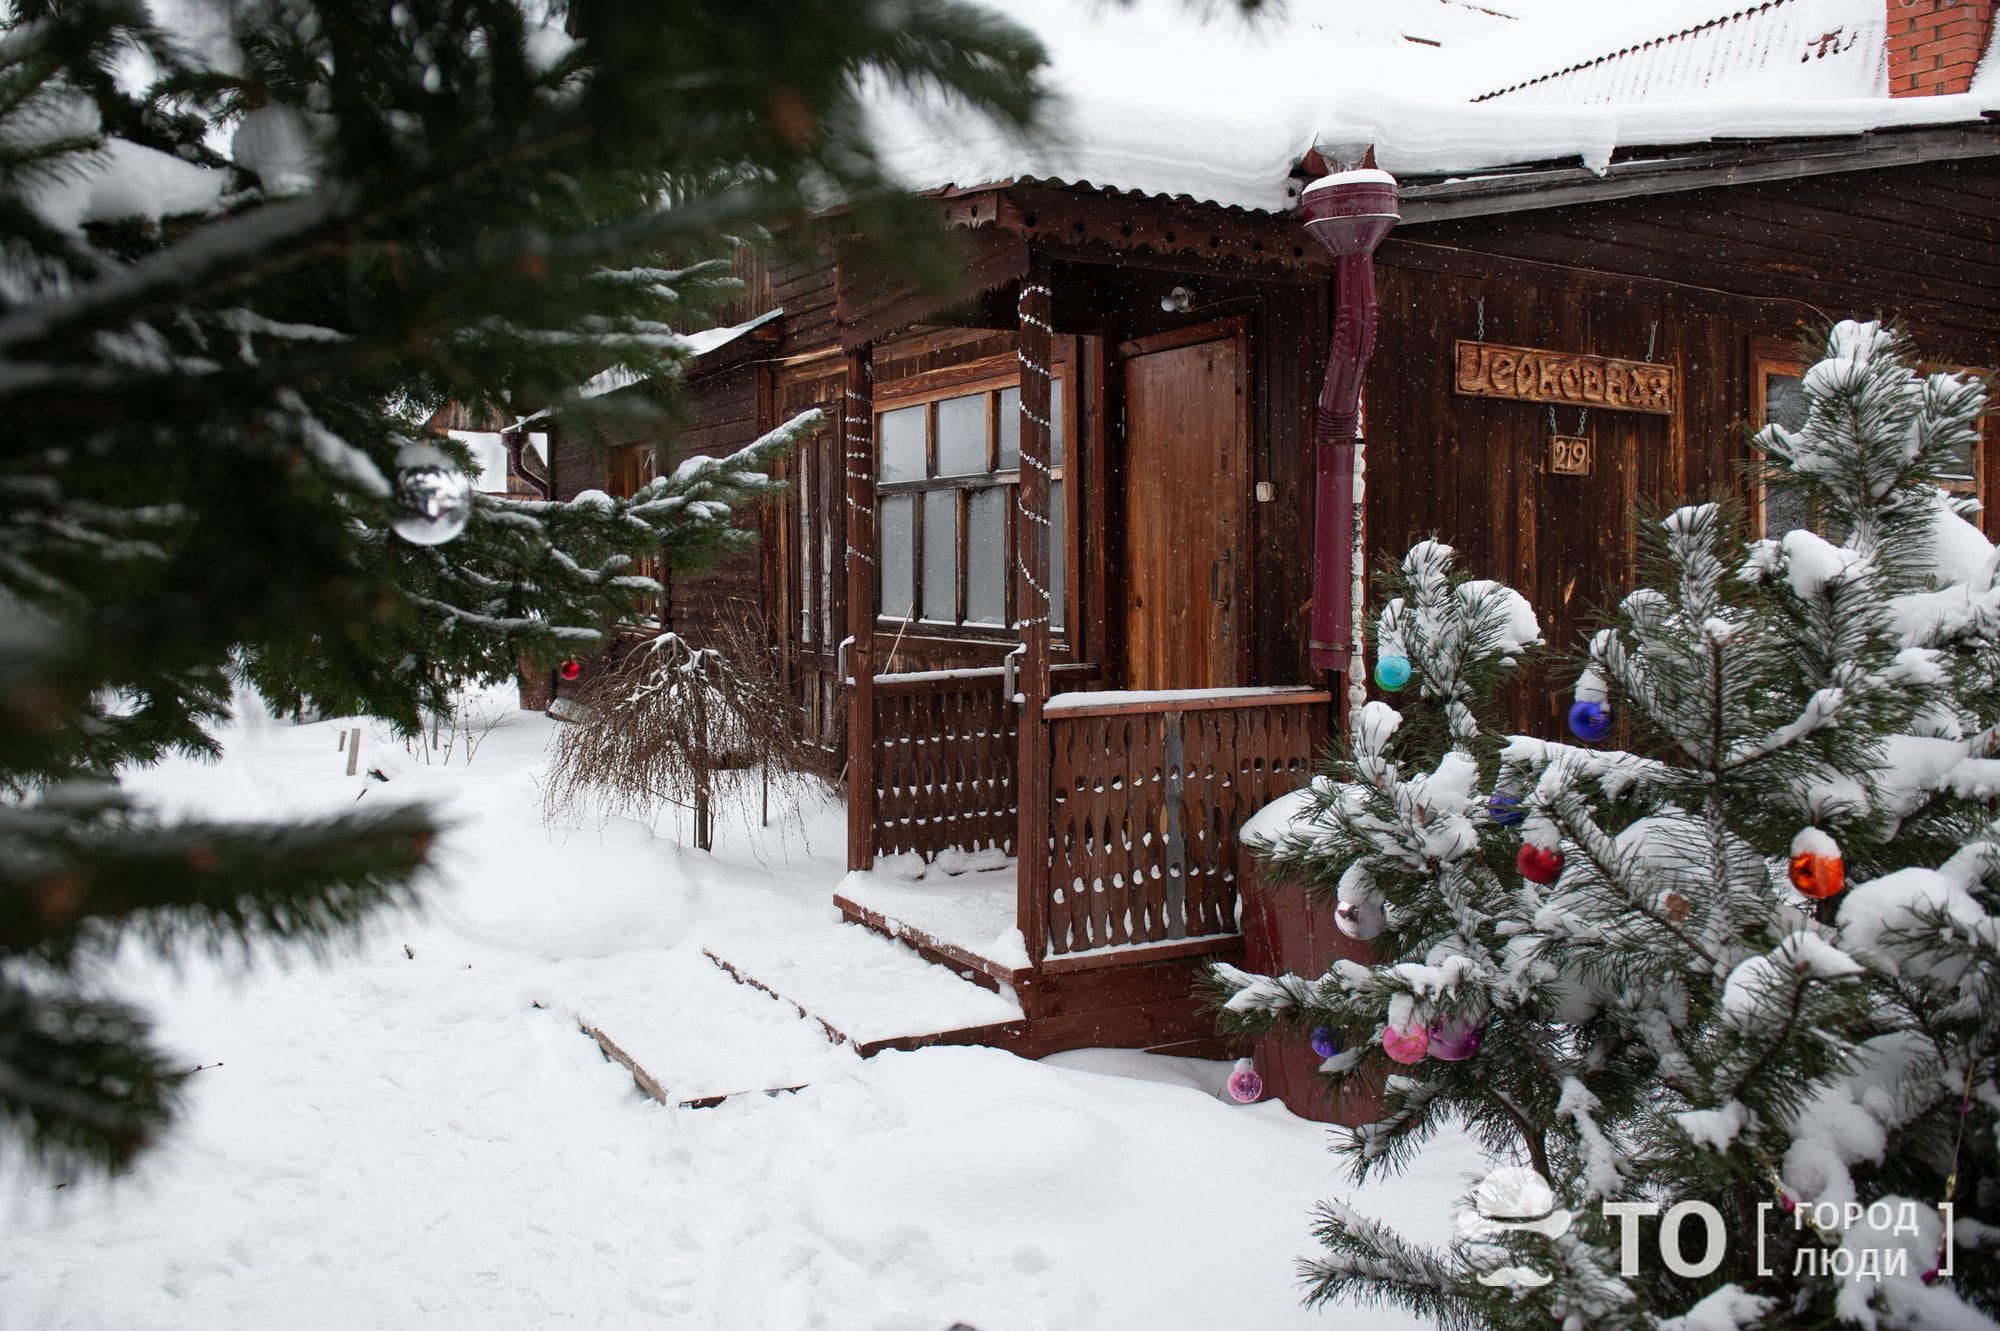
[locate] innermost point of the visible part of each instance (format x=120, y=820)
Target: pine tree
x=1744, y=956
x=239, y=264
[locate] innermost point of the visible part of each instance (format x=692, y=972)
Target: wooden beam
x=1032, y=602
x=1739, y=164
x=858, y=465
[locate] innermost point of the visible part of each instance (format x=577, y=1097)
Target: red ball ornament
x=1816, y=868
x=570, y=669
x=1538, y=865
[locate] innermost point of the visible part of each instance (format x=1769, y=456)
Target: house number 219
x=1569, y=455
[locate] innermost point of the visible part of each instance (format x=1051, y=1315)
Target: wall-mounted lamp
x=1177, y=301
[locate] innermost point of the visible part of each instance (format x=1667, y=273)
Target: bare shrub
x=660, y=723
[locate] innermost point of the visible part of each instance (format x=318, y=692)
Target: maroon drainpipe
x=516, y=444
x=1348, y=213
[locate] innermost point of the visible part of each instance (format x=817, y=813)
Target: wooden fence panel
x=945, y=751
x=1145, y=800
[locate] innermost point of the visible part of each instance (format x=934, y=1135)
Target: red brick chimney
x=1935, y=45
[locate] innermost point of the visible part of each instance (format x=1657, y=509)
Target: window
x=630, y=467
x=948, y=468
x=1778, y=396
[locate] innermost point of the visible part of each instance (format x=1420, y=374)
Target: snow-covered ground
x=411, y=1131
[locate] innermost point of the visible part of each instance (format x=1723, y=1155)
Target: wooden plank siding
x=1695, y=280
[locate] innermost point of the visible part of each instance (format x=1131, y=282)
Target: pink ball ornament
x=1245, y=1086
x=1406, y=1046
x=1455, y=1039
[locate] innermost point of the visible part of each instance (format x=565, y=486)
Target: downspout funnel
x=1348, y=213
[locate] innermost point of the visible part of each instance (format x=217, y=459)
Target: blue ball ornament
x=1392, y=672
x=1590, y=720
x=1505, y=810
x=1325, y=1042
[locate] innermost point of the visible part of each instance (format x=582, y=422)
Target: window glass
x=1010, y=429
x=1056, y=571
x=902, y=444
x=895, y=549
x=1784, y=404
x=941, y=556
x=986, y=566
x=949, y=478
x=1055, y=421
x=961, y=427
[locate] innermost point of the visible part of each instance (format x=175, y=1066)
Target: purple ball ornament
x=1505, y=809
x=1590, y=721
x=1455, y=1039
x=1245, y=1086
x=1325, y=1042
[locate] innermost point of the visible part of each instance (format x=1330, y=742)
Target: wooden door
x=1187, y=482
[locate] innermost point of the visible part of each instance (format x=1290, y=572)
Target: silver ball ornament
x=433, y=498
x=1359, y=920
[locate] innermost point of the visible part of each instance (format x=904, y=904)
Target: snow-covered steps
x=967, y=921
x=691, y=1036
x=866, y=991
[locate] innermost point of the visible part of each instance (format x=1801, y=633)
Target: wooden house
x=1046, y=582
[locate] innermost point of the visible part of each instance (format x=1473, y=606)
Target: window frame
x=628, y=468
x=1777, y=355
x=988, y=378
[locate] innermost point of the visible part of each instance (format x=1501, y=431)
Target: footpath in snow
x=412, y=1130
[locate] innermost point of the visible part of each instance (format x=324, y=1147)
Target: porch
x=1134, y=799
x=1086, y=521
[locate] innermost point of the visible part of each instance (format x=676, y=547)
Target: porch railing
x=946, y=746
x=1146, y=794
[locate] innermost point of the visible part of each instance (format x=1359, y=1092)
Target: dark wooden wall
x=1690, y=280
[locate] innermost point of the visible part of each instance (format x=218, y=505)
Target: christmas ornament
x=1392, y=671
x=1245, y=1086
x=1359, y=920
x=1406, y=1046
x=1325, y=1042
x=1678, y=907
x=433, y=498
x=1455, y=1039
x=1591, y=721
x=570, y=669
x=1505, y=809
x=1816, y=868
x=1538, y=865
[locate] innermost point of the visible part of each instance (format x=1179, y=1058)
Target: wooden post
x=1032, y=602
x=858, y=449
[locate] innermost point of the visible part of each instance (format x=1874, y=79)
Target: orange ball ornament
x=1816, y=868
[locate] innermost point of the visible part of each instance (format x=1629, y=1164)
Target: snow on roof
x=696, y=345
x=1165, y=98
x=1676, y=50
x=1162, y=97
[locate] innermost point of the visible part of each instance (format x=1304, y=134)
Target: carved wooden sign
x=1569, y=455
x=1487, y=369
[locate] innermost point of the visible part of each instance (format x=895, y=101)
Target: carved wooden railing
x=945, y=749
x=1146, y=795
